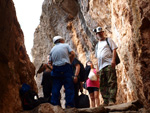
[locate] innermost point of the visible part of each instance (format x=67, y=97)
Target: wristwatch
x=75, y=76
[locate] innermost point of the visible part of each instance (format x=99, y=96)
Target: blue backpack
x=29, y=98
x=24, y=88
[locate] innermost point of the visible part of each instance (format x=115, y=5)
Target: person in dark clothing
x=78, y=78
x=47, y=84
x=87, y=71
x=47, y=79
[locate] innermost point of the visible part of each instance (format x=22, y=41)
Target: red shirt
x=90, y=83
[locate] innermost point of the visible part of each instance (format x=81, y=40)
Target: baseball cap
x=57, y=38
x=98, y=29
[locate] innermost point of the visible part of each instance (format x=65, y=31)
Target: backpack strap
x=109, y=44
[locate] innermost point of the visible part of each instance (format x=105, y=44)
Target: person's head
x=99, y=33
x=58, y=39
x=89, y=63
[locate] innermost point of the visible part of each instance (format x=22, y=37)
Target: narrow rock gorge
x=127, y=22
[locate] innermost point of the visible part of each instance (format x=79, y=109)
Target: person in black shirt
x=47, y=79
x=79, y=77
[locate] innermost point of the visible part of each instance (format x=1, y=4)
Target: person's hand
x=113, y=64
x=75, y=79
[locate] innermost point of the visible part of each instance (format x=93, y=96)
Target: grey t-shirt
x=59, y=54
x=103, y=53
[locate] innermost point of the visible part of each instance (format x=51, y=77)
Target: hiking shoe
x=111, y=103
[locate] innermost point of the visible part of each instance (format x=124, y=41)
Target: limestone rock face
x=131, y=32
x=15, y=66
x=126, y=22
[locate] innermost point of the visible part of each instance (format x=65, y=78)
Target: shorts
x=92, y=89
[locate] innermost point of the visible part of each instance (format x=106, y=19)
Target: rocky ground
x=130, y=107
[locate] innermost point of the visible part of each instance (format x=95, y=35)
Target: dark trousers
x=47, y=81
x=62, y=75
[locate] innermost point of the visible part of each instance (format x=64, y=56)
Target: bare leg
x=92, y=99
x=97, y=100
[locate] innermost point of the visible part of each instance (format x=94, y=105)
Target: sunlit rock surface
x=131, y=32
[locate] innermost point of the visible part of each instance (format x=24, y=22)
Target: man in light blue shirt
x=61, y=57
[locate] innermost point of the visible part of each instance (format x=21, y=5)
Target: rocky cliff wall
x=131, y=31
x=15, y=66
x=126, y=22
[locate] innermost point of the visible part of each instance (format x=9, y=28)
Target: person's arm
x=113, y=62
x=96, y=72
x=97, y=68
x=49, y=67
x=113, y=48
x=77, y=69
x=50, y=59
x=72, y=56
x=41, y=69
x=77, y=66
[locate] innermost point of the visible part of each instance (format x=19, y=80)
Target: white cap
x=57, y=38
x=98, y=29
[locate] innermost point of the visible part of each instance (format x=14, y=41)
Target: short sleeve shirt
x=59, y=54
x=82, y=70
x=104, y=54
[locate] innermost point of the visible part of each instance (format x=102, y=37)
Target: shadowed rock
x=130, y=107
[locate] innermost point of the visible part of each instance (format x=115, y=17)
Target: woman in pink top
x=93, y=87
